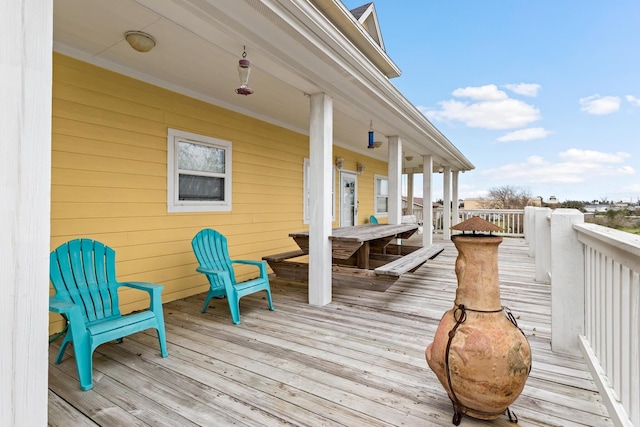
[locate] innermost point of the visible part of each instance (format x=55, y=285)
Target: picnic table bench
x=363, y=255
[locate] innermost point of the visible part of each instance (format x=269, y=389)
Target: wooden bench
x=284, y=268
x=409, y=262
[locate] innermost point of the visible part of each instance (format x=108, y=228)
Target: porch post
x=26, y=39
x=320, y=168
x=530, y=229
x=427, y=197
x=446, y=220
x=410, y=193
x=455, y=216
x=567, y=282
x=395, y=182
x=543, y=245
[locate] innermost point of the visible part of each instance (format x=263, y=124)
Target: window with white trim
x=307, y=192
x=198, y=173
x=382, y=195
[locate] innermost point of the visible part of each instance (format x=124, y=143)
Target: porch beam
x=320, y=183
x=25, y=186
x=395, y=179
x=427, y=197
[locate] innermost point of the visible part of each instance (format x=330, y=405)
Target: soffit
x=199, y=43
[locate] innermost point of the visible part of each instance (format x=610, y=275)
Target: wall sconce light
x=142, y=42
x=360, y=168
x=244, y=69
x=339, y=162
x=371, y=143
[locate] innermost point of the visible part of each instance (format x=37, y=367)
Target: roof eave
x=347, y=24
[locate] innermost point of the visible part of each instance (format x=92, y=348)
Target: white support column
x=543, y=245
x=530, y=229
x=321, y=169
x=26, y=29
x=410, y=193
x=395, y=182
x=427, y=197
x=455, y=215
x=446, y=221
x=567, y=282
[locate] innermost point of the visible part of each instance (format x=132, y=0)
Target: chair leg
x=85, y=366
x=162, y=340
x=63, y=347
x=206, y=301
x=269, y=299
x=234, y=307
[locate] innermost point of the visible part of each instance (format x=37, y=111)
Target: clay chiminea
x=478, y=353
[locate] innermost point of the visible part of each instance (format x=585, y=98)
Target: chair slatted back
x=210, y=248
x=83, y=271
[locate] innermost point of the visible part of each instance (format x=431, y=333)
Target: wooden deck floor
x=358, y=361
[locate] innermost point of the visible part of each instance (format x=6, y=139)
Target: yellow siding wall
x=109, y=178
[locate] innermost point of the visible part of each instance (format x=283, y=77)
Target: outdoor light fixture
x=377, y=144
x=360, y=168
x=142, y=42
x=244, y=69
x=339, y=162
x=408, y=158
x=371, y=143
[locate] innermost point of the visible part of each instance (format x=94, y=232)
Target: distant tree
x=573, y=204
x=506, y=197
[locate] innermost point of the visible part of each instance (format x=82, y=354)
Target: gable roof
x=368, y=18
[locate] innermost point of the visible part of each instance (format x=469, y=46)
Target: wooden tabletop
x=366, y=232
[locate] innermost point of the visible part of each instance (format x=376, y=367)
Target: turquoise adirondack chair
x=210, y=248
x=83, y=275
x=373, y=219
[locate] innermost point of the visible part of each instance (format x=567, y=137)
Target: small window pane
x=382, y=204
x=207, y=188
x=382, y=187
x=197, y=157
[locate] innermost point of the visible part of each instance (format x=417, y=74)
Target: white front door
x=348, y=198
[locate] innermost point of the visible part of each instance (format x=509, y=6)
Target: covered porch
x=356, y=361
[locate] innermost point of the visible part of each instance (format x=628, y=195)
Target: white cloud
x=576, y=155
x=600, y=105
x=526, y=89
x=633, y=100
x=490, y=108
x=525, y=135
x=481, y=93
x=577, y=166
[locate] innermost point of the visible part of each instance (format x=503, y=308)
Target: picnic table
x=368, y=256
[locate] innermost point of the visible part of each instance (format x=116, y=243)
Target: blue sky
x=542, y=95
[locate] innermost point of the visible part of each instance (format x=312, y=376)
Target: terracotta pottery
x=478, y=353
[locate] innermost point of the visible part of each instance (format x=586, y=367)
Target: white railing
x=612, y=304
x=510, y=220
x=595, y=300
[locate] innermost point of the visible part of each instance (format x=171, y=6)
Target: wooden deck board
x=358, y=361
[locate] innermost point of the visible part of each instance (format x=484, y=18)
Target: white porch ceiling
x=293, y=52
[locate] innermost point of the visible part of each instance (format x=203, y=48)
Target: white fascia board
x=380, y=86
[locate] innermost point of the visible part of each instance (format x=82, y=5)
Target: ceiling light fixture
x=142, y=42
